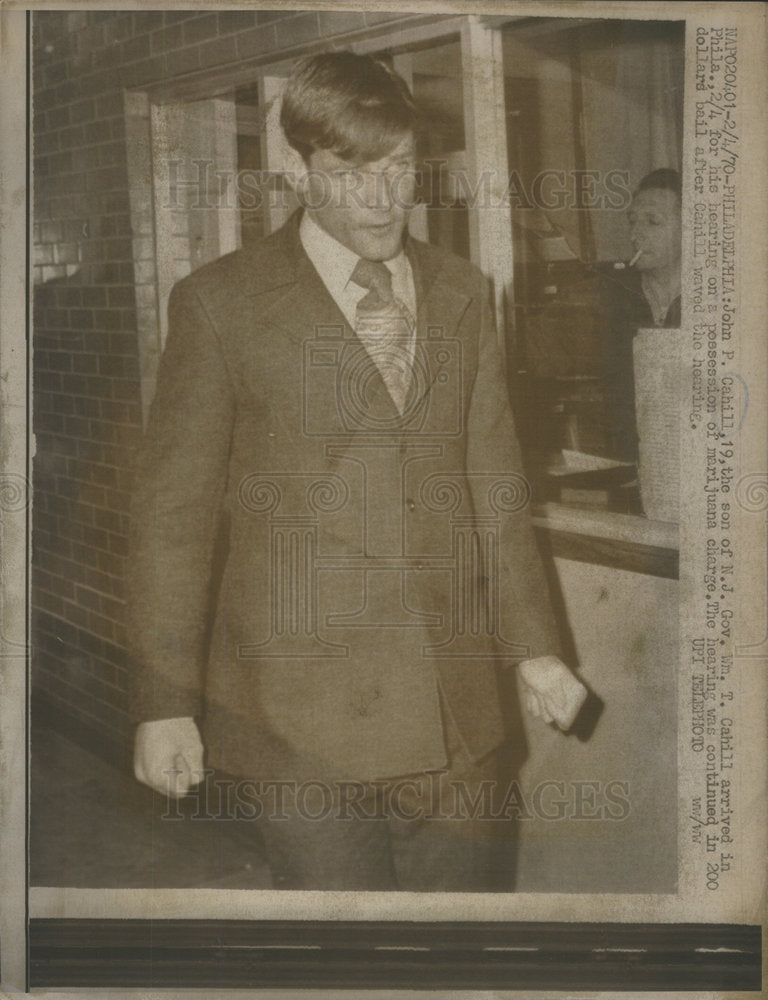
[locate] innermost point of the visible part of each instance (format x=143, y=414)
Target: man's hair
x=353, y=105
x=664, y=179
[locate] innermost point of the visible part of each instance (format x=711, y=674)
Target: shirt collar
x=332, y=260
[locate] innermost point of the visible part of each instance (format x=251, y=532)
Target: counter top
x=624, y=541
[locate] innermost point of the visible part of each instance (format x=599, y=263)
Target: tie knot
x=375, y=276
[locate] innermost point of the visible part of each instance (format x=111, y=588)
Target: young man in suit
x=332, y=566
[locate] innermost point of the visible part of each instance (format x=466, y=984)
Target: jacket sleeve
x=179, y=488
x=525, y=612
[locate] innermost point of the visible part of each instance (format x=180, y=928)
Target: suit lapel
x=440, y=310
x=337, y=374
x=294, y=300
x=293, y=281
x=440, y=305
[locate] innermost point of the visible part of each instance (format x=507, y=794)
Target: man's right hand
x=168, y=756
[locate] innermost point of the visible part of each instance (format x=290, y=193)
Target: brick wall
x=87, y=401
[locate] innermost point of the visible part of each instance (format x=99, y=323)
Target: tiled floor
x=93, y=826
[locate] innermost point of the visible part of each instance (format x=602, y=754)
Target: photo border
x=69, y=952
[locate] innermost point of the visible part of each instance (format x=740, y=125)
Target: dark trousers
x=430, y=832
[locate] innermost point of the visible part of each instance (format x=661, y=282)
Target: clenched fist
x=551, y=691
x=168, y=756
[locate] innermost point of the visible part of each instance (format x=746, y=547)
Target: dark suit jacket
x=372, y=565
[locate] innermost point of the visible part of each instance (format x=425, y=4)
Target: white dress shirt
x=335, y=263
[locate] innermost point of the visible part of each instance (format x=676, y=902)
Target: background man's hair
x=353, y=105
x=664, y=179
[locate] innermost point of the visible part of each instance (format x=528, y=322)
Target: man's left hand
x=551, y=691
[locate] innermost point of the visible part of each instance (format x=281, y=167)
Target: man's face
x=655, y=227
x=364, y=206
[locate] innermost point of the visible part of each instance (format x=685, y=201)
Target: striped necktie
x=385, y=327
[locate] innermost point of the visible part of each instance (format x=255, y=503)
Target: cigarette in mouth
x=635, y=259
